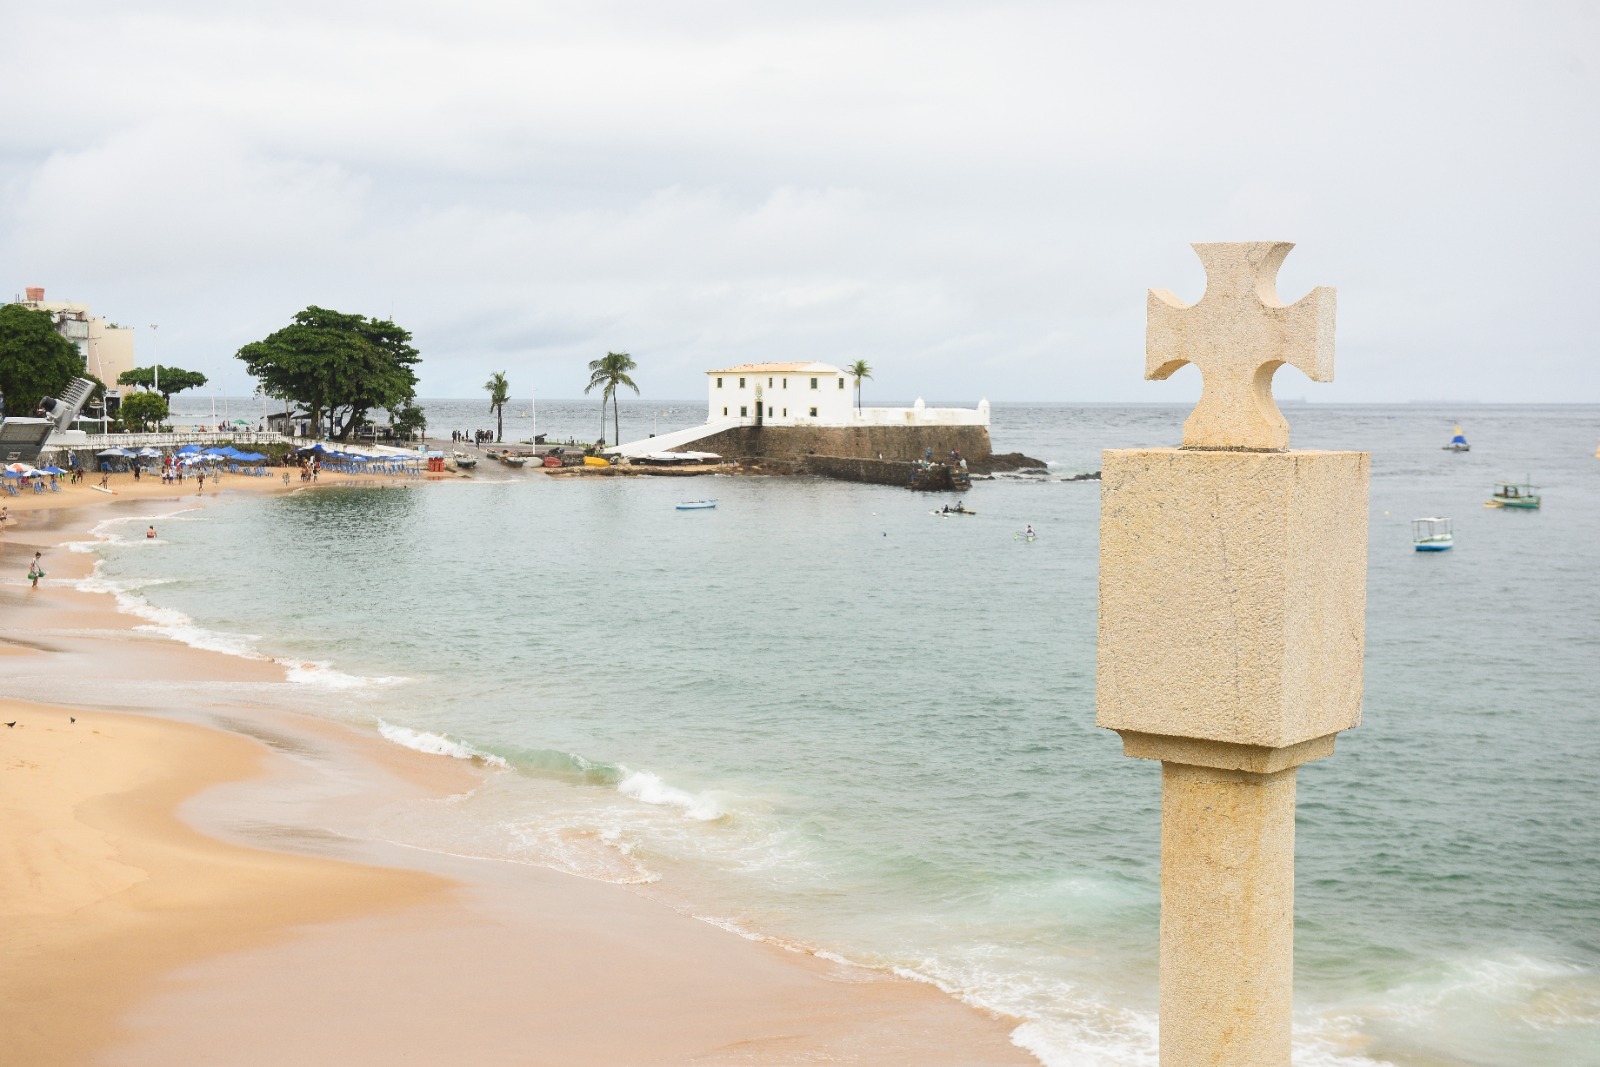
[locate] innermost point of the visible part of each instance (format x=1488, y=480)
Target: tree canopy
x=170, y=379
x=611, y=371
x=336, y=363
x=499, y=392
x=407, y=419
x=35, y=360
x=862, y=371
x=143, y=410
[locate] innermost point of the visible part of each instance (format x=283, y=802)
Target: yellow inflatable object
x=595, y=461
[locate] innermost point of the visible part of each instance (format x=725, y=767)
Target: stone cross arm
x=1238, y=333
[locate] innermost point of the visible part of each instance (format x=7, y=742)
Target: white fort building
x=810, y=408
x=813, y=394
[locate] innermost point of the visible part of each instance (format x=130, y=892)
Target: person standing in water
x=36, y=569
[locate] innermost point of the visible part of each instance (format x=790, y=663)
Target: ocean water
x=822, y=716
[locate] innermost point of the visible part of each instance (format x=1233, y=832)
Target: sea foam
x=437, y=744
x=648, y=788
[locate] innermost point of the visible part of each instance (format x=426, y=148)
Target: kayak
x=952, y=514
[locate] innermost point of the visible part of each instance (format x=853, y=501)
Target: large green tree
x=164, y=380
x=861, y=369
x=143, y=410
x=499, y=392
x=35, y=360
x=611, y=371
x=336, y=363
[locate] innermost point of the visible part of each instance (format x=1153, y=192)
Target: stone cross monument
x=1232, y=609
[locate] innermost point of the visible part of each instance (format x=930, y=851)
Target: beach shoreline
x=172, y=878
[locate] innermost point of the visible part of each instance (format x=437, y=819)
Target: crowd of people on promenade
x=477, y=437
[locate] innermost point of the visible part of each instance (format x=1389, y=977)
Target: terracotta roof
x=779, y=368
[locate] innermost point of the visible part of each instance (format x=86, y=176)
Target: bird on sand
x=13, y=722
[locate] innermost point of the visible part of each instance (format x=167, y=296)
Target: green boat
x=1514, y=495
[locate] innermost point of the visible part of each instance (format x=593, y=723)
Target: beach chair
x=55, y=487
x=11, y=489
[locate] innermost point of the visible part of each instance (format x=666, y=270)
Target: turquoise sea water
x=821, y=715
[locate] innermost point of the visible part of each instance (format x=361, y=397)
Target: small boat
x=957, y=510
x=512, y=461
x=1518, y=495
x=465, y=461
x=1458, y=443
x=696, y=505
x=596, y=461
x=1432, y=535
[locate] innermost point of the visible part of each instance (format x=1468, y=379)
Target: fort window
x=813, y=413
x=724, y=412
x=719, y=383
x=786, y=413
x=813, y=383
x=741, y=383
x=769, y=383
x=742, y=411
x=841, y=383
x=786, y=383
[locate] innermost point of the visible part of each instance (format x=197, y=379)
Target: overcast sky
x=972, y=197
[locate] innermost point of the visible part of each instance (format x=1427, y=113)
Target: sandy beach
x=177, y=887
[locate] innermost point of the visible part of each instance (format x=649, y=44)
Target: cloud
x=973, y=197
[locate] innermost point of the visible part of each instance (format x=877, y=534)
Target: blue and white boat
x=696, y=505
x=1432, y=535
x=1458, y=443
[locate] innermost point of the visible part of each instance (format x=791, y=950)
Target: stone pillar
x=1232, y=610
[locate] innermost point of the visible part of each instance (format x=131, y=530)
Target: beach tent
x=188, y=450
x=148, y=451
x=51, y=470
x=116, y=452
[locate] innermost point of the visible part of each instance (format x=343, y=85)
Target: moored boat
x=512, y=461
x=696, y=505
x=1432, y=535
x=1519, y=495
x=465, y=461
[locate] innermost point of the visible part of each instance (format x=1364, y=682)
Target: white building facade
x=106, y=348
x=814, y=394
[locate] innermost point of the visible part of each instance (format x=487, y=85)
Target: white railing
x=98, y=441
x=921, y=415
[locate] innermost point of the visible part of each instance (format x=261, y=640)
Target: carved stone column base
x=1227, y=916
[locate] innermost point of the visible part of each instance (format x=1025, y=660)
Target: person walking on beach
x=202, y=476
x=36, y=569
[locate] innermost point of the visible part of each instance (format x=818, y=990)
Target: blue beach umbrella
x=51, y=470
x=188, y=450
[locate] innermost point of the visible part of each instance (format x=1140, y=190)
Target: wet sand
x=179, y=883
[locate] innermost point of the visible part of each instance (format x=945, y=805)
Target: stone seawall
x=877, y=472
x=897, y=444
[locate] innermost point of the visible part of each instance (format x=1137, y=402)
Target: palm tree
x=499, y=392
x=610, y=372
x=861, y=370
